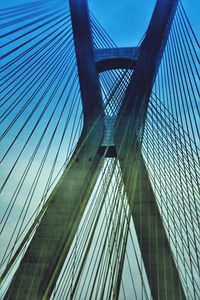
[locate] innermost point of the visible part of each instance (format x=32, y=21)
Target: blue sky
x=126, y=20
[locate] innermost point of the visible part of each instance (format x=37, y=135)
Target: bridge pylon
x=40, y=267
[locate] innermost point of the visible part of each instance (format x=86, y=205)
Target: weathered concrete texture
x=59, y=223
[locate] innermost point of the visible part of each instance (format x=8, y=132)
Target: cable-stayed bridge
x=99, y=156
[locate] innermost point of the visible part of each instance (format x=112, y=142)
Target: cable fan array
x=171, y=148
x=99, y=260
x=41, y=117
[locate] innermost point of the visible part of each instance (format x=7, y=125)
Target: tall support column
x=40, y=267
x=160, y=268
x=44, y=258
x=156, y=253
x=162, y=274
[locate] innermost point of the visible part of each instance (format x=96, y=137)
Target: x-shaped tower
x=45, y=256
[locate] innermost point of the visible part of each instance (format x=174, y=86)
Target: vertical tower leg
x=155, y=250
x=44, y=258
x=156, y=253
x=40, y=267
x=159, y=264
